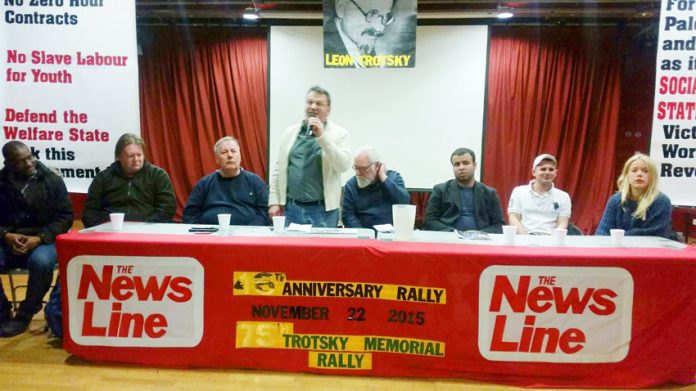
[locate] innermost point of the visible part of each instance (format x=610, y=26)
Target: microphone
x=309, y=127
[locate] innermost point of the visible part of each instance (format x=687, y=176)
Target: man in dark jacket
x=130, y=185
x=462, y=203
x=230, y=189
x=34, y=208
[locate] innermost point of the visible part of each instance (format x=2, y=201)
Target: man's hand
x=22, y=244
x=32, y=243
x=275, y=210
x=13, y=239
x=516, y=220
x=317, y=127
x=381, y=171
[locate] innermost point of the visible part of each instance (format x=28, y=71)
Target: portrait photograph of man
x=369, y=34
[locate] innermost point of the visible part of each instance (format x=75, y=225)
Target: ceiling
x=429, y=11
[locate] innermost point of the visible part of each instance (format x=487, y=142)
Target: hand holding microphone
x=314, y=126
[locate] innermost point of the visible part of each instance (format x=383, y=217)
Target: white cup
x=616, y=236
x=278, y=223
x=509, y=232
x=404, y=217
x=116, y=221
x=224, y=221
x=558, y=236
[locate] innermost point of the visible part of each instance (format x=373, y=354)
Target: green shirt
x=305, y=181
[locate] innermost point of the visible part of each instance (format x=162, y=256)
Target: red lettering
x=156, y=326
x=536, y=299
x=538, y=342
x=543, y=298
x=180, y=292
x=527, y=332
x=503, y=287
x=88, y=330
x=537, y=339
x=123, y=324
x=89, y=278
x=661, y=110
x=603, y=303
x=677, y=85
x=572, y=341
x=114, y=319
x=124, y=286
x=572, y=300
x=151, y=288
x=663, y=85
x=121, y=288
x=497, y=343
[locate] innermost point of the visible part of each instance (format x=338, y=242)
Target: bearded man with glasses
x=369, y=195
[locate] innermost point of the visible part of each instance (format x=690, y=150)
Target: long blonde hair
x=646, y=199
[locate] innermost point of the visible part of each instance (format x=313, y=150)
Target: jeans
x=312, y=214
x=41, y=263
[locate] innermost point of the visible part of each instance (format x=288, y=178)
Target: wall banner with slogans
x=69, y=81
x=673, y=142
x=369, y=34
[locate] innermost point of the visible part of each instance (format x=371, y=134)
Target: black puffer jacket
x=46, y=212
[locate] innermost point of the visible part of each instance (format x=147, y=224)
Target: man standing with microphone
x=306, y=179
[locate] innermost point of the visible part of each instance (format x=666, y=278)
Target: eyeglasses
x=362, y=169
x=372, y=15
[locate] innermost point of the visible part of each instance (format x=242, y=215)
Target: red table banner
x=527, y=316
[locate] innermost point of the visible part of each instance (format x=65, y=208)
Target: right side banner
x=673, y=142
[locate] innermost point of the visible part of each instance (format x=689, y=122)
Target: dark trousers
x=41, y=263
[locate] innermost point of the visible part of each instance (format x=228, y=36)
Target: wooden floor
x=36, y=361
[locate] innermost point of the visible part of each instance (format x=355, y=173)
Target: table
x=131, y=227
x=533, y=314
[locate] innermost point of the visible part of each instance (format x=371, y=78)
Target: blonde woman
x=638, y=207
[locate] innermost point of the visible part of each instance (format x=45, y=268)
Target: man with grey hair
x=313, y=154
x=369, y=195
x=130, y=185
x=231, y=189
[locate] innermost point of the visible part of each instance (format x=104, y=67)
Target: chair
x=14, y=287
x=677, y=237
x=11, y=272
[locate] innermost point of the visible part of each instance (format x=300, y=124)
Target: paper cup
x=616, y=236
x=116, y=221
x=509, y=232
x=278, y=223
x=224, y=221
x=404, y=217
x=558, y=236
